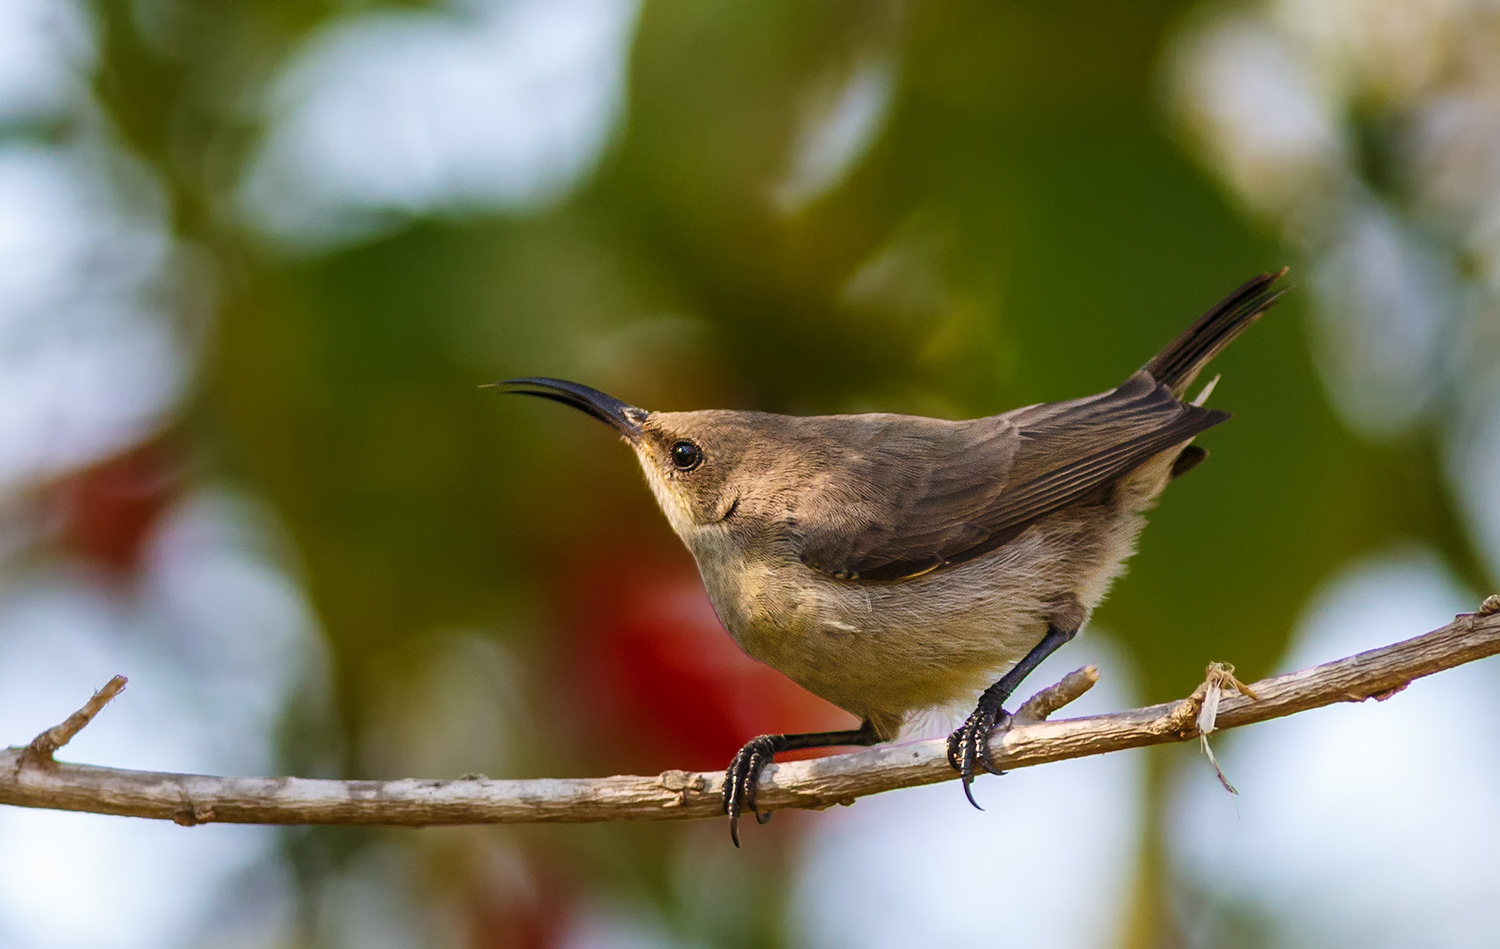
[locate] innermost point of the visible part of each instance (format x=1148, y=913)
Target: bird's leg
x=743, y=773
x=971, y=743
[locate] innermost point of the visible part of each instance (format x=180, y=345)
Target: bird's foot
x=970, y=745
x=741, y=778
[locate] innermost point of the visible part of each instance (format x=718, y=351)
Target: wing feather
x=906, y=501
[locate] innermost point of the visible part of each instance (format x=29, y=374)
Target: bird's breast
x=882, y=648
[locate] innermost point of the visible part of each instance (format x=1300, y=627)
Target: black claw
x=969, y=792
x=741, y=779
x=970, y=746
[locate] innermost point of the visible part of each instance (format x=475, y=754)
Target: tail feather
x=1179, y=363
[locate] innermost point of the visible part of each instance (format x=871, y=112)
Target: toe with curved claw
x=970, y=745
x=741, y=779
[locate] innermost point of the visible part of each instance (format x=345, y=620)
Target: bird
x=893, y=564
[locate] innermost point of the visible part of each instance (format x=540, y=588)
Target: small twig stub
x=1054, y=697
x=45, y=745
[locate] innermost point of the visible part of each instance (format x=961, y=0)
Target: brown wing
x=949, y=492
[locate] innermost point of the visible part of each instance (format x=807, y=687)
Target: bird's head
x=694, y=461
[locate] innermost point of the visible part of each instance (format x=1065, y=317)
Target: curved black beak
x=624, y=418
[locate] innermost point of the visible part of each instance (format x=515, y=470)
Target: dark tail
x=1179, y=364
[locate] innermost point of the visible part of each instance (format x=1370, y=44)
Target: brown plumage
x=895, y=563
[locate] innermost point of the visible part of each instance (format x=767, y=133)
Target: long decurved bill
x=623, y=417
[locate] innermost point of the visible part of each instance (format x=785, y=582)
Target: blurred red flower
x=665, y=682
x=108, y=509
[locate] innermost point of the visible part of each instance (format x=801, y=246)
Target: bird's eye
x=686, y=456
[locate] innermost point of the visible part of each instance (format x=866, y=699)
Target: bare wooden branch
x=29, y=778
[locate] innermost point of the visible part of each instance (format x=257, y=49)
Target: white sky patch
x=1053, y=855
x=213, y=646
x=618, y=925
x=1454, y=144
x=148, y=883
x=1387, y=311
x=838, y=127
x=1391, y=48
x=1268, y=122
x=88, y=363
x=1473, y=458
x=218, y=600
x=46, y=47
x=506, y=105
x=1370, y=825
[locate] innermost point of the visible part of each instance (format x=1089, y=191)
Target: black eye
x=686, y=456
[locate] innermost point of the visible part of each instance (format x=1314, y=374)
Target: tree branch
x=30, y=778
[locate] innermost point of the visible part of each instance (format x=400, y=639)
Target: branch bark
x=29, y=777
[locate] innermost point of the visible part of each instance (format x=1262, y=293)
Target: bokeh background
x=255, y=259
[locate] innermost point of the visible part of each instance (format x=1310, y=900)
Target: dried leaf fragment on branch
x=1219, y=676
